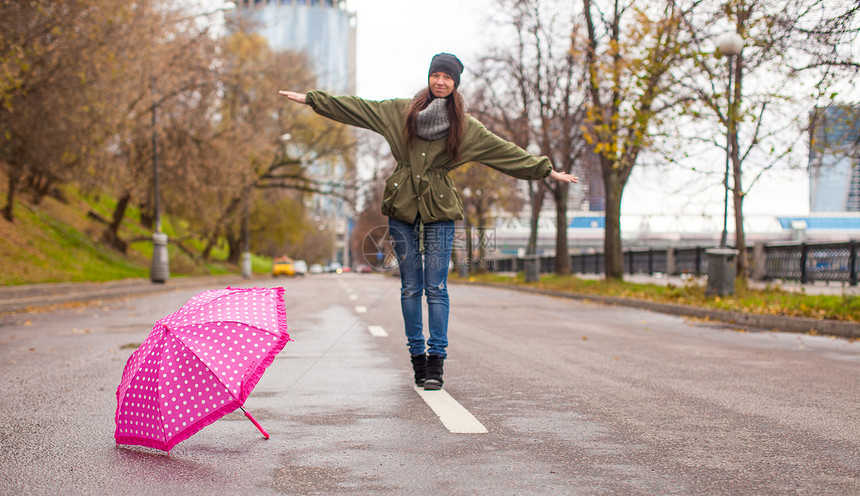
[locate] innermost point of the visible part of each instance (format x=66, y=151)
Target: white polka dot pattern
x=198, y=364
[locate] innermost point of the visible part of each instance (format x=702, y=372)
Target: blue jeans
x=428, y=275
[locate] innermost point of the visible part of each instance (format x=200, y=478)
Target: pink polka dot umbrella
x=199, y=364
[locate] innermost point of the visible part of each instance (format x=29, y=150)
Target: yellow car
x=283, y=267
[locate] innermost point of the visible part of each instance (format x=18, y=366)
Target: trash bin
x=159, y=271
x=722, y=267
x=532, y=268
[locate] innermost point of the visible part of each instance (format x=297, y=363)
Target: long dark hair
x=456, y=116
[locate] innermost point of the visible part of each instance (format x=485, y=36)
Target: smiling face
x=441, y=84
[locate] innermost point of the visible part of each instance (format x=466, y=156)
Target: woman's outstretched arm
x=563, y=177
x=383, y=117
x=293, y=96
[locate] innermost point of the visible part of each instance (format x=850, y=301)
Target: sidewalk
x=814, y=288
x=766, y=322
x=29, y=297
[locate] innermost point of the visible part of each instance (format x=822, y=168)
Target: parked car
x=283, y=266
x=301, y=267
x=316, y=269
x=365, y=269
x=334, y=267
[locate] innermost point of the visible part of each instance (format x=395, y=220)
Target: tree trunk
x=234, y=244
x=536, y=196
x=737, y=190
x=12, y=189
x=470, y=252
x=40, y=185
x=147, y=215
x=111, y=234
x=738, y=201
x=213, y=238
x=562, y=255
x=482, y=241
x=614, y=258
x=210, y=244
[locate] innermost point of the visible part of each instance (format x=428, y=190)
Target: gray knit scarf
x=432, y=122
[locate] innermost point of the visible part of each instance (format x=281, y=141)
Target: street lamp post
x=730, y=44
x=159, y=271
x=246, y=254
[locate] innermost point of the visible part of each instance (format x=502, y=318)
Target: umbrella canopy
x=199, y=364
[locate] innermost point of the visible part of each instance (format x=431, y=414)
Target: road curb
x=759, y=321
x=45, y=296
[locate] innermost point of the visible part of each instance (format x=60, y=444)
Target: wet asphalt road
x=578, y=398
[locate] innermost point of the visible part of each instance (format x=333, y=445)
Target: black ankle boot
x=419, y=365
x=434, y=373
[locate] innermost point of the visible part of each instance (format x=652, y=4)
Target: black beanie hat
x=447, y=63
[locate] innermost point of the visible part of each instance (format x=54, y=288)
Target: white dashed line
x=353, y=297
x=452, y=414
x=360, y=309
x=377, y=331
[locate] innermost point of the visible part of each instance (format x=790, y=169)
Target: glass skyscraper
x=834, y=154
x=322, y=29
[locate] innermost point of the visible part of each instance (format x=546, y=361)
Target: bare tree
x=369, y=239
x=254, y=124
x=484, y=193
x=510, y=118
x=54, y=56
x=163, y=110
x=539, y=85
x=629, y=49
x=95, y=93
x=796, y=54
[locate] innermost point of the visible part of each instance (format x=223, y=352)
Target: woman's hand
x=292, y=95
x=563, y=177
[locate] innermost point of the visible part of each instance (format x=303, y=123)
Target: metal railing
x=813, y=262
x=803, y=262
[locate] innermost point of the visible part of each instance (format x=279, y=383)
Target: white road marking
x=360, y=309
x=452, y=414
x=377, y=331
x=353, y=297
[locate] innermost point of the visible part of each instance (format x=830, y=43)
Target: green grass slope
x=58, y=241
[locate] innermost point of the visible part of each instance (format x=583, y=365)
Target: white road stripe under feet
x=377, y=331
x=452, y=414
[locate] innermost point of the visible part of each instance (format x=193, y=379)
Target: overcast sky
x=396, y=40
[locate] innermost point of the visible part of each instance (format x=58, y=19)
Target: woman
x=429, y=136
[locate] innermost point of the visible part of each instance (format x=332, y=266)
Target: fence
x=803, y=262
x=813, y=262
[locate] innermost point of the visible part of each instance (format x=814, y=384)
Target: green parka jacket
x=420, y=184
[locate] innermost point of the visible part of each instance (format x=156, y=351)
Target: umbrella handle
x=256, y=424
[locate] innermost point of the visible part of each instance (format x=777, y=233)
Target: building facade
x=834, y=175
x=323, y=29
x=325, y=32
